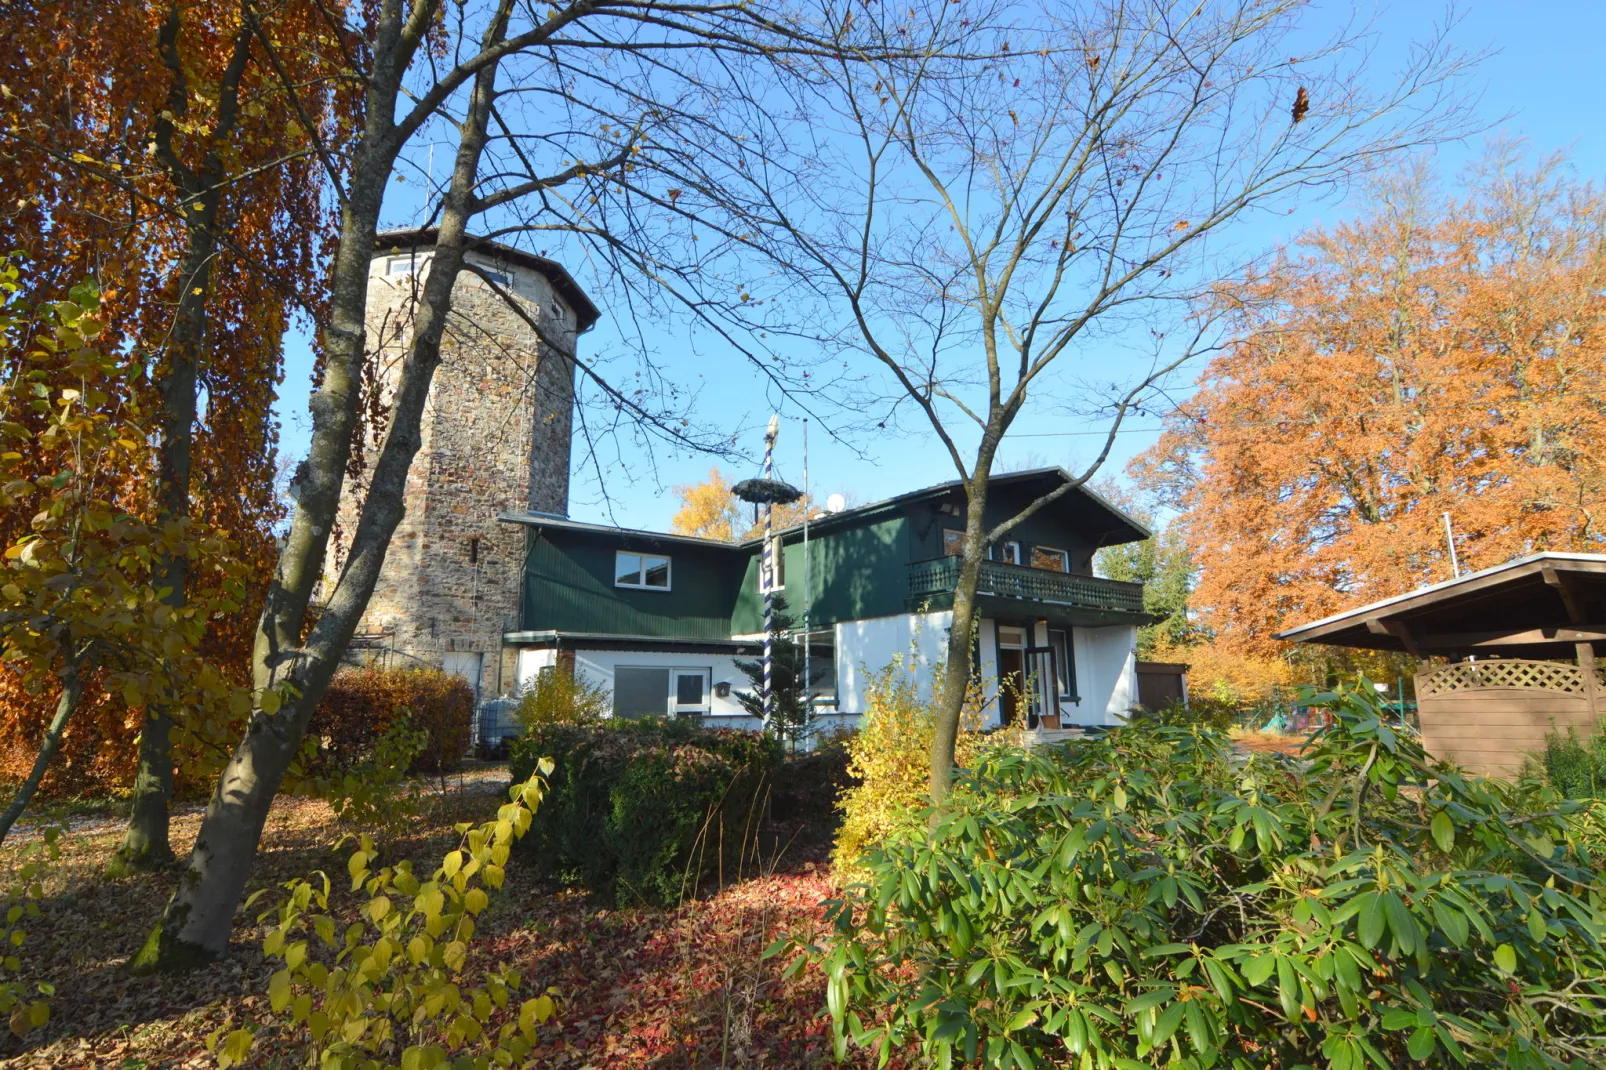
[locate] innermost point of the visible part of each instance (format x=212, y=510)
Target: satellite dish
x=835, y=503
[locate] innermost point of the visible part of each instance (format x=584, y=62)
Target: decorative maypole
x=768, y=491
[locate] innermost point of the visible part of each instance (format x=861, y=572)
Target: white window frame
x=1007, y=553
x=1063, y=643
x=777, y=554
x=408, y=264
x=641, y=571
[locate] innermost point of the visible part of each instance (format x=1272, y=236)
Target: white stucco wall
x=598, y=667
x=865, y=647
x=987, y=668
x=1106, y=675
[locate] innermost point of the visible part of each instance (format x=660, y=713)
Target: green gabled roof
x=1124, y=526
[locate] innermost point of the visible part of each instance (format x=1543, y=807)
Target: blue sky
x=1540, y=82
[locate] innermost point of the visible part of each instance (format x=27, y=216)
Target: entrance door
x=691, y=692
x=467, y=665
x=1011, y=673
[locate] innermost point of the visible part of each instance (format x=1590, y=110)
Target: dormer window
x=643, y=571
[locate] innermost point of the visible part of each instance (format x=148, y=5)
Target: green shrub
x=1147, y=899
x=644, y=811
x=362, y=704
x=1206, y=711
x=559, y=695
x=1575, y=768
x=889, y=758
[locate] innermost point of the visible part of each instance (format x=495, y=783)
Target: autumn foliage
x=90, y=92
x=1432, y=356
x=362, y=704
x=709, y=510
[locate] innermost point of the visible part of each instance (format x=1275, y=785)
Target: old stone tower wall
x=494, y=439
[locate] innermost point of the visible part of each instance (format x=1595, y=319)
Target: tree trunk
x=145, y=843
x=961, y=637
x=72, y=690
x=199, y=918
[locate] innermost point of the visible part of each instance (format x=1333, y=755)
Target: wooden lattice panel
x=1512, y=675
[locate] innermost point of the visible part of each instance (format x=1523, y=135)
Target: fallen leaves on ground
x=637, y=988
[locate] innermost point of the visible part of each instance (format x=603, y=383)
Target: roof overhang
x=621, y=535
x=1536, y=606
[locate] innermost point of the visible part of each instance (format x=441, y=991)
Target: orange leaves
x=1425, y=358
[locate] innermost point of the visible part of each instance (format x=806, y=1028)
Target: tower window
x=474, y=550
x=501, y=278
x=406, y=265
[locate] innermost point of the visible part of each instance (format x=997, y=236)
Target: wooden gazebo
x=1522, y=645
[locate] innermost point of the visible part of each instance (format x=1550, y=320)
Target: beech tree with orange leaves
x=1436, y=355
x=148, y=150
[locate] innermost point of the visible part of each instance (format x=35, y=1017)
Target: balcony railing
x=940, y=575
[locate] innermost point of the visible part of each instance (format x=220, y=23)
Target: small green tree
x=1164, y=565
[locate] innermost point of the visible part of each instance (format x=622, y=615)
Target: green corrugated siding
x=853, y=573
x=568, y=586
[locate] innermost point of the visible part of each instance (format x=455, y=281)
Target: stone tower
x=494, y=439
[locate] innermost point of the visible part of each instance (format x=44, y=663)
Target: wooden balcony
x=933, y=581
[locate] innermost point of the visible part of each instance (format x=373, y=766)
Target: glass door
x=692, y=688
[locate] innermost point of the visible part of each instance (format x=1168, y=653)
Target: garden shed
x=1506, y=654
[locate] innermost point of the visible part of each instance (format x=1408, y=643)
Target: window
x=1064, y=663
x=650, y=691
x=502, y=279
x=649, y=571
x=1007, y=552
x=822, y=667
x=777, y=558
x=640, y=692
x=1049, y=558
x=953, y=542
x=406, y=265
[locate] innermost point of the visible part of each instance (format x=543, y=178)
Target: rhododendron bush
x=1154, y=899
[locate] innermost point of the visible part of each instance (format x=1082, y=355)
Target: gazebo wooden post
x=1592, y=688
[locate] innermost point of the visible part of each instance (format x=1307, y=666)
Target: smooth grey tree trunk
x=200, y=916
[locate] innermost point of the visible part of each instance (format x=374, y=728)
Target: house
x=486, y=577
x=661, y=619
x=1514, y=654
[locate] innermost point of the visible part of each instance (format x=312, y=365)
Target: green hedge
x=1153, y=899
x=645, y=811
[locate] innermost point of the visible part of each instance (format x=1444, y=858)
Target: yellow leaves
x=233, y=1049
x=393, y=977
x=279, y=993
